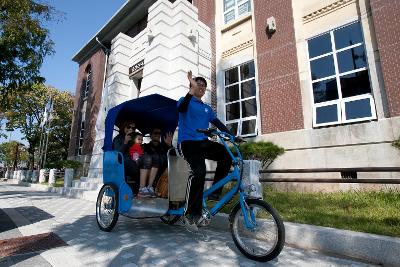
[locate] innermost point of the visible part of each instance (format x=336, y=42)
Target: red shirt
x=135, y=151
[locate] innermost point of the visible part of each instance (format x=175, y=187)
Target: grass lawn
x=370, y=212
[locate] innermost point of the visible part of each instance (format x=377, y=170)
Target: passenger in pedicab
x=122, y=142
x=154, y=161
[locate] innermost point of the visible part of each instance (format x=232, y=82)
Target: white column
x=68, y=176
x=52, y=176
x=23, y=176
x=251, y=178
x=14, y=176
x=42, y=176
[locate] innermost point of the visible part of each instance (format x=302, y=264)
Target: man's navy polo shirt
x=198, y=116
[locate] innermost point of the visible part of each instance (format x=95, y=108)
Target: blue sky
x=82, y=20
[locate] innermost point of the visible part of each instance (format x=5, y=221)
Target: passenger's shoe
x=150, y=189
x=189, y=223
x=143, y=192
x=213, y=197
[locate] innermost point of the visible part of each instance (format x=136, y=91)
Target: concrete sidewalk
x=370, y=248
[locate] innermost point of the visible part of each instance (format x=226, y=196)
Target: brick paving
x=146, y=242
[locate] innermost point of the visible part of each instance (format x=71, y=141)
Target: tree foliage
x=27, y=113
x=265, y=152
x=24, y=43
x=11, y=155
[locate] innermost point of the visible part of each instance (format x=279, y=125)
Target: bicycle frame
x=236, y=174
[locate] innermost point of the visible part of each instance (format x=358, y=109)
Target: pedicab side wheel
x=170, y=219
x=265, y=240
x=107, y=207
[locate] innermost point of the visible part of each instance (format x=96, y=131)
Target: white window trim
x=359, y=97
x=340, y=101
x=239, y=82
x=236, y=10
x=87, y=84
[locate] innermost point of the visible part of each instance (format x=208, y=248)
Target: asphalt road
x=146, y=242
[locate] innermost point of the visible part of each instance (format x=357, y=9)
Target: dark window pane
x=244, y=8
x=319, y=45
x=322, y=67
x=229, y=16
x=358, y=109
x=233, y=111
x=249, y=89
x=247, y=71
x=233, y=127
x=232, y=93
x=249, y=108
x=326, y=114
x=348, y=36
x=231, y=76
x=249, y=127
x=228, y=4
x=325, y=90
x=355, y=84
x=352, y=59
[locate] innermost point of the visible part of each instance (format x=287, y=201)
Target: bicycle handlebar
x=227, y=136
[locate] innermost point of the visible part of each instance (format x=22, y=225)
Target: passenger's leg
x=217, y=152
x=144, y=173
x=195, y=157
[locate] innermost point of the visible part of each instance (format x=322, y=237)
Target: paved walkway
x=132, y=242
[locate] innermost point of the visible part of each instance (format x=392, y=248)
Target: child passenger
x=136, y=150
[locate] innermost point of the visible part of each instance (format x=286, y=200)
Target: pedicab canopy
x=147, y=112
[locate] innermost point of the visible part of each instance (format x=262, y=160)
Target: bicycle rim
x=106, y=206
x=262, y=242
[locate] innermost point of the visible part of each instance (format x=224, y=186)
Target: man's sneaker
x=189, y=223
x=143, y=192
x=150, y=189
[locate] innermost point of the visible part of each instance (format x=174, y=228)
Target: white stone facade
x=174, y=42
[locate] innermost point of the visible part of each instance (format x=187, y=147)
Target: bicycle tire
x=108, y=225
x=275, y=247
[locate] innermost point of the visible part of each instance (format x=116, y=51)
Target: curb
x=376, y=249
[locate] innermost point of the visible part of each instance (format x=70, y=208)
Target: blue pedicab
x=257, y=229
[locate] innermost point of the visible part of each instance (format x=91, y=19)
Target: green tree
x=60, y=127
x=13, y=154
x=24, y=43
x=27, y=113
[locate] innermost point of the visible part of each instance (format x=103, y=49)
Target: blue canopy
x=147, y=112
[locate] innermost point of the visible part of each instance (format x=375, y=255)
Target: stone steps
x=86, y=185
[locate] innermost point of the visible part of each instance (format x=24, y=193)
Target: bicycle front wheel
x=264, y=240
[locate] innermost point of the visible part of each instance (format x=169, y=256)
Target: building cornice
x=237, y=48
x=326, y=10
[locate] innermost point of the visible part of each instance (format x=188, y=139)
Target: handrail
x=361, y=169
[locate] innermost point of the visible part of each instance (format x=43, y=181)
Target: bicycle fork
x=248, y=214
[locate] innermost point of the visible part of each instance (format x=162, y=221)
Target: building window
x=81, y=134
x=234, y=9
x=340, y=78
x=240, y=100
x=87, y=83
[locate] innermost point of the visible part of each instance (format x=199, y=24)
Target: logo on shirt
x=206, y=110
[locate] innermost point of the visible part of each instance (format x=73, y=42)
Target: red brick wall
x=93, y=104
x=207, y=16
x=385, y=14
x=278, y=75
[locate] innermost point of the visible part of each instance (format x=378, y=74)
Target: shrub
x=396, y=143
x=266, y=152
x=64, y=164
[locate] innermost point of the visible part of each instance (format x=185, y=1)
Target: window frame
x=340, y=102
x=81, y=137
x=240, y=120
x=88, y=82
x=236, y=10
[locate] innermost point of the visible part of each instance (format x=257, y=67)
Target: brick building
x=320, y=78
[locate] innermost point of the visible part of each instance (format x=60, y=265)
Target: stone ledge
x=376, y=249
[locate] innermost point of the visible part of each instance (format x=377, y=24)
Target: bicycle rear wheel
x=107, y=207
x=266, y=239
